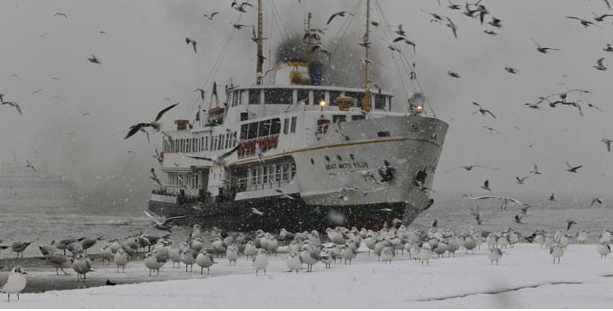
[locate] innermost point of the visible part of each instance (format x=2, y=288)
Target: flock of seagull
x=304, y=249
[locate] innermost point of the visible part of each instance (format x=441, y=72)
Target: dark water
x=47, y=214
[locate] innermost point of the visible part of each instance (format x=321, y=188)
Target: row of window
x=304, y=97
x=188, y=181
x=267, y=176
x=267, y=128
x=198, y=144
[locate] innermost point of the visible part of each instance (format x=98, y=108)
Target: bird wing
x=154, y=218
x=228, y=153
x=484, y=197
x=135, y=128
x=197, y=157
x=331, y=18
x=169, y=219
x=163, y=111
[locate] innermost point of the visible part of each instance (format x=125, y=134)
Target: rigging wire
x=218, y=60
x=344, y=28
x=404, y=60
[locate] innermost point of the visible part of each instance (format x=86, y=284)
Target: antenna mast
x=260, y=55
x=366, y=101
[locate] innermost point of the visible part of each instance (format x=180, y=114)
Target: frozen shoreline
x=525, y=278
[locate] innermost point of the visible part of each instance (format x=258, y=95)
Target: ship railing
x=173, y=190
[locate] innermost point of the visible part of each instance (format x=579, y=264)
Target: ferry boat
x=294, y=153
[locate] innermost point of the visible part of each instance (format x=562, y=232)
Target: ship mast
x=366, y=101
x=259, y=55
x=308, y=43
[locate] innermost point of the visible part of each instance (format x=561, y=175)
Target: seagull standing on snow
x=293, y=262
x=260, y=261
x=121, y=259
x=82, y=265
x=556, y=251
x=603, y=249
x=19, y=247
x=59, y=262
x=15, y=283
x=494, y=254
x=204, y=260
x=154, y=261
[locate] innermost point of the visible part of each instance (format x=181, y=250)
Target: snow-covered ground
x=525, y=278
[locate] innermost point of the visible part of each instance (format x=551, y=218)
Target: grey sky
x=145, y=59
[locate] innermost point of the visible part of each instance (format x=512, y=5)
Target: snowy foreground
x=525, y=278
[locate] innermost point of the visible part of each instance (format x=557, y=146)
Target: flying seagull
x=596, y=200
x=13, y=104
x=155, y=177
x=60, y=14
x=470, y=167
x=583, y=22
x=486, y=185
x=453, y=27
x=284, y=194
x=570, y=223
x=210, y=16
x=341, y=14
x=572, y=169
x=599, y=65
x=518, y=218
x=28, y=164
x=453, y=74
x=504, y=200
x=240, y=7
x=201, y=92
x=192, y=42
x=154, y=124
x=216, y=161
x=510, y=69
x=607, y=142
x=162, y=223
x=542, y=49
x=94, y=60
x=484, y=111
x=521, y=180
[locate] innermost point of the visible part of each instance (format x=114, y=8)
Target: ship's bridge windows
x=380, y=102
x=319, y=96
x=261, y=129
x=302, y=97
x=278, y=96
x=333, y=95
x=358, y=96
x=254, y=97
